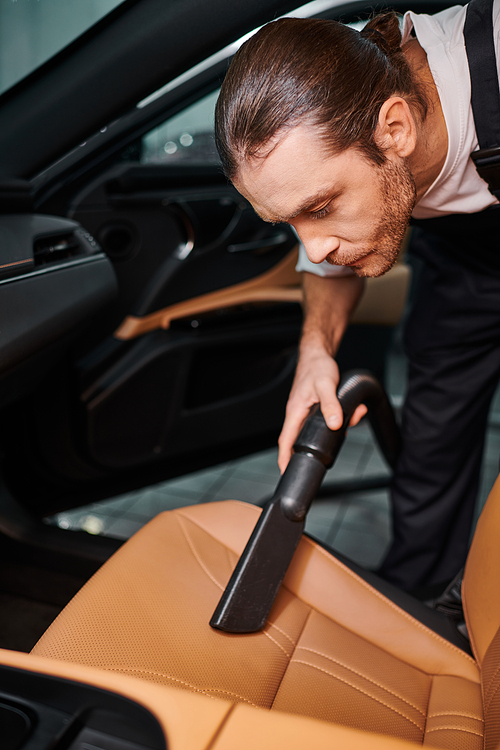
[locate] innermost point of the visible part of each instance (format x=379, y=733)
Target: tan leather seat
x=334, y=647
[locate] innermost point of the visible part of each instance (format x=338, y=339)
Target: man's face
x=345, y=209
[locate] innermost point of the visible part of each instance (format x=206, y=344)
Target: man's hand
x=316, y=380
x=328, y=305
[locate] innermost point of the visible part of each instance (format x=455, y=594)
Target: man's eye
x=320, y=213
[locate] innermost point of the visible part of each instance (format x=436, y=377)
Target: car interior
x=149, y=328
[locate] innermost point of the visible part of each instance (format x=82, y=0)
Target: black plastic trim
x=97, y=258
x=112, y=67
x=62, y=709
x=42, y=307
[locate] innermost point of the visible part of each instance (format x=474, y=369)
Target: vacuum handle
x=301, y=479
x=361, y=387
x=254, y=584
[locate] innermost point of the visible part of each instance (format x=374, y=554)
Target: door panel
x=170, y=242
x=193, y=362
x=175, y=392
x=203, y=254
x=280, y=284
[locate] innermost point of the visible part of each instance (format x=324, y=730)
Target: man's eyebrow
x=307, y=205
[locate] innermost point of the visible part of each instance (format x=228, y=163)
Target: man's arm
x=329, y=302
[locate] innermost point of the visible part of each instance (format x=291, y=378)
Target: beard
x=398, y=197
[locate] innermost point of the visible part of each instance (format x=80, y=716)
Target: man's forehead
x=295, y=176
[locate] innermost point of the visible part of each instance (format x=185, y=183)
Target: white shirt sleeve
x=320, y=269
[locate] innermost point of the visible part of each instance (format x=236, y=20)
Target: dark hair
x=318, y=71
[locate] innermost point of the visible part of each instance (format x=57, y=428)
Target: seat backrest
x=481, y=584
x=481, y=597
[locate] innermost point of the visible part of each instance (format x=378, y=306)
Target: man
x=345, y=136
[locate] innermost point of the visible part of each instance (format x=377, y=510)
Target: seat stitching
x=492, y=683
x=278, y=644
x=235, y=695
x=493, y=693
x=455, y=713
x=175, y=679
x=320, y=669
x=337, y=562
x=329, y=557
x=431, y=686
x=454, y=729
x=302, y=630
x=388, y=601
x=304, y=625
x=157, y=674
x=204, y=567
x=198, y=558
x=273, y=625
x=178, y=512
x=360, y=674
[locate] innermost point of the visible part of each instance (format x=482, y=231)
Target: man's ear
x=396, y=130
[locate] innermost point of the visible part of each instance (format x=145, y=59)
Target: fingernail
x=333, y=422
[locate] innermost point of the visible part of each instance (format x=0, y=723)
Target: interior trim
x=279, y=284
x=55, y=267
x=382, y=303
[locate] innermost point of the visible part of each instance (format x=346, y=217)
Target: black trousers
x=452, y=341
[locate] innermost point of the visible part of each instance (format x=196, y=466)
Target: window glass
x=32, y=31
x=186, y=138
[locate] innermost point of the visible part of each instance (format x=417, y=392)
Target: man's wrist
x=317, y=344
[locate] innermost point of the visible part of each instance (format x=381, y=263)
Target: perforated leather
x=333, y=649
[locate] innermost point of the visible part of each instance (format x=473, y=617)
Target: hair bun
x=375, y=36
x=383, y=31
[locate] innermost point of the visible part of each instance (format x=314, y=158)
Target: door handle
x=247, y=247
x=179, y=210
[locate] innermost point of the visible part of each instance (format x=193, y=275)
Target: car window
x=33, y=31
x=186, y=138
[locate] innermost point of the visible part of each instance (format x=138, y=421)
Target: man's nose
x=318, y=248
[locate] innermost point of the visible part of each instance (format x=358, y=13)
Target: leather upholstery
x=334, y=648
x=482, y=610
x=191, y=721
x=481, y=578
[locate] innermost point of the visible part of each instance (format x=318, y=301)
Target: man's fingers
x=358, y=415
x=330, y=407
x=291, y=428
x=332, y=412
x=296, y=416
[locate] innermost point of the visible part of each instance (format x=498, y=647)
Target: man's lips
x=356, y=262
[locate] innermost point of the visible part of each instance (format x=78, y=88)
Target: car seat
x=334, y=647
x=338, y=645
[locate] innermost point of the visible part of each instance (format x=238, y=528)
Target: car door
x=192, y=361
